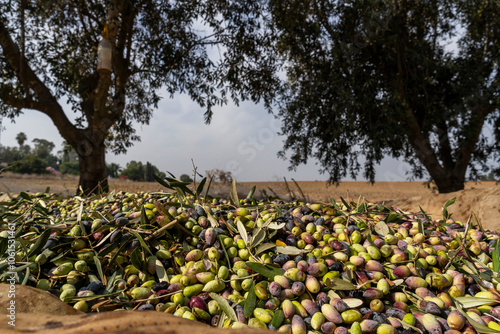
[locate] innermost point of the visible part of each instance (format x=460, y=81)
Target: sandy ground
x=479, y=198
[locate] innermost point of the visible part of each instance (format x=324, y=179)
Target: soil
x=480, y=200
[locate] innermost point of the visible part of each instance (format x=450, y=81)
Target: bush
x=30, y=164
x=70, y=167
x=220, y=176
x=185, y=178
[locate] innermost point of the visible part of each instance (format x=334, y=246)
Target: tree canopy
x=48, y=54
x=415, y=80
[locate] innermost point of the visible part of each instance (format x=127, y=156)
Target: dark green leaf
x=141, y=241
x=250, y=302
x=345, y=203
x=233, y=196
x=111, y=280
x=264, y=270
x=250, y=193
x=496, y=256
x=40, y=242
x=425, y=215
x=144, y=217
x=4, y=244
x=99, y=269
x=199, y=189
x=109, y=248
x=25, y=196
x=278, y=318
x=445, y=208
x=26, y=276
x=162, y=182
x=136, y=258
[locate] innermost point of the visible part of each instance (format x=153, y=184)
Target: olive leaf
x=470, y=302
x=111, y=280
x=224, y=306
x=278, y=318
x=210, y=218
x=250, y=302
x=250, y=193
x=290, y=250
x=264, y=247
x=26, y=276
x=407, y=325
x=339, y=284
x=353, y=302
x=495, y=257
x=141, y=241
x=447, y=215
x=40, y=242
x=381, y=228
x=99, y=269
x=276, y=226
x=161, y=272
x=266, y=271
x=233, y=196
x=477, y=326
x=257, y=238
x=242, y=231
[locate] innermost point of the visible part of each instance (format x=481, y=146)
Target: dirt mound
x=38, y=311
x=485, y=203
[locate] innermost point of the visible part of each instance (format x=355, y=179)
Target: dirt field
x=481, y=198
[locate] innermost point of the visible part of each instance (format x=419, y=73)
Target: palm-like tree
x=21, y=138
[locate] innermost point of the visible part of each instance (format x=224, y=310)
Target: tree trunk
x=93, y=177
x=450, y=183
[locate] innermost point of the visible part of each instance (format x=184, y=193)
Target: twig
x=172, y=223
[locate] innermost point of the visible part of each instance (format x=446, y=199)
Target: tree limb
x=48, y=104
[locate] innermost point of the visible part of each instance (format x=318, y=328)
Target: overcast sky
x=241, y=139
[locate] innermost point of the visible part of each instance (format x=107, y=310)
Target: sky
x=243, y=140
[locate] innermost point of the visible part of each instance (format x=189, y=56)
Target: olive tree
x=415, y=80
x=48, y=57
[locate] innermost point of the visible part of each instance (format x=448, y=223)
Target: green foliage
x=136, y=171
x=70, y=167
x=113, y=170
x=185, y=178
x=9, y=154
x=30, y=164
x=196, y=48
x=376, y=78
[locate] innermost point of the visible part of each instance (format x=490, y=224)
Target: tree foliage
x=137, y=171
x=48, y=54
x=415, y=80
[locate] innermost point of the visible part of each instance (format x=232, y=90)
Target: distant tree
x=379, y=78
x=43, y=149
x=30, y=164
x=69, y=167
x=113, y=170
x=134, y=171
x=220, y=176
x=185, y=178
x=21, y=138
x=67, y=153
x=9, y=154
